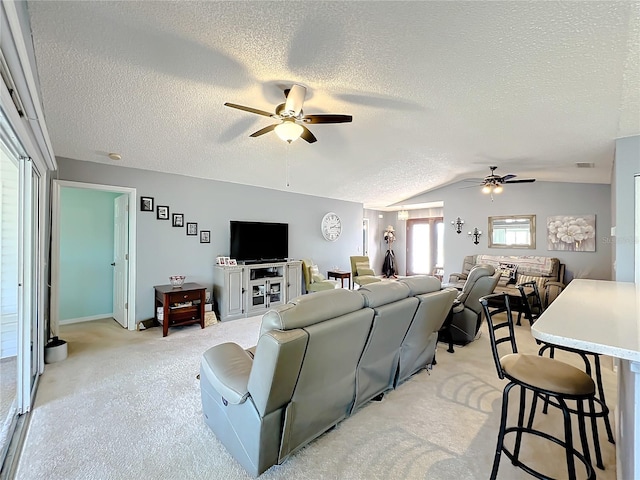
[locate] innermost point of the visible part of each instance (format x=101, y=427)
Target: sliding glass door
x=21, y=300
x=425, y=239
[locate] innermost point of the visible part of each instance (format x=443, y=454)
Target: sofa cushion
x=311, y=309
x=421, y=284
x=540, y=281
x=377, y=294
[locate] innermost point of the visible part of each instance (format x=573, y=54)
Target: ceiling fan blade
x=249, y=109
x=524, y=180
x=295, y=99
x=328, y=118
x=307, y=135
x=264, y=130
x=508, y=177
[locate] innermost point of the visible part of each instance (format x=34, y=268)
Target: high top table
x=604, y=317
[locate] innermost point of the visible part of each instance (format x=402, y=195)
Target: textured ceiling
x=438, y=90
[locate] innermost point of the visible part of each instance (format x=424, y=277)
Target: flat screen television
x=259, y=241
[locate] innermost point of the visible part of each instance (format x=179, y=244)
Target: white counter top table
x=604, y=317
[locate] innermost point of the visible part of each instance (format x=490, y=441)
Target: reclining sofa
x=547, y=272
x=319, y=358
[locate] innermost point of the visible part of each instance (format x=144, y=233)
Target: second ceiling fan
x=291, y=118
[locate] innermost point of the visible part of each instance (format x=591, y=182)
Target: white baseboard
x=85, y=319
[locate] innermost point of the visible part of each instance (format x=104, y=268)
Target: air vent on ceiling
x=585, y=165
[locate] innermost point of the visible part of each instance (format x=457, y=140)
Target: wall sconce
x=403, y=215
x=458, y=222
x=476, y=234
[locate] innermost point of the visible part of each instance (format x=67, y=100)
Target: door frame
x=55, y=246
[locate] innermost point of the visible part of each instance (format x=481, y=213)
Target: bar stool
x=543, y=377
x=533, y=308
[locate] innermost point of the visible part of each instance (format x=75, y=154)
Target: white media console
x=252, y=289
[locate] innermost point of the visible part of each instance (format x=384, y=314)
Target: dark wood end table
x=340, y=274
x=170, y=299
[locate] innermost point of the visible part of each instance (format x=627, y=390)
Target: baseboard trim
x=85, y=319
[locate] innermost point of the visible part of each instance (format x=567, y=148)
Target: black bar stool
x=533, y=308
x=543, y=377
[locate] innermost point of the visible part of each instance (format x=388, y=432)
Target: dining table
x=603, y=317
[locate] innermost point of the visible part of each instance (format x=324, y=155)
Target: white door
x=121, y=259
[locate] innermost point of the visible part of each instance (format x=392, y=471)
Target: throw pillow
x=314, y=273
x=362, y=268
x=317, y=277
x=365, y=271
x=508, y=272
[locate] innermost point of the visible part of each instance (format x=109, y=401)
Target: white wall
x=627, y=164
x=163, y=250
x=542, y=199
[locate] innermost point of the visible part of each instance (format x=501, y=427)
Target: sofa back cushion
x=527, y=264
x=394, y=312
x=325, y=387
x=418, y=349
x=420, y=284
x=310, y=309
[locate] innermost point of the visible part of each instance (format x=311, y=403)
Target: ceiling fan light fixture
x=498, y=189
x=289, y=131
x=486, y=189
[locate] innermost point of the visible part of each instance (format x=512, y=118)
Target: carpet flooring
x=126, y=405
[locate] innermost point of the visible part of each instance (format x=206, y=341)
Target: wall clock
x=331, y=226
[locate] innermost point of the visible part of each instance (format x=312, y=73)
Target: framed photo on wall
x=146, y=204
x=177, y=220
x=205, y=236
x=162, y=212
x=192, y=228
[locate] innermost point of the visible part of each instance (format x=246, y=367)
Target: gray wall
x=540, y=198
x=163, y=250
x=627, y=164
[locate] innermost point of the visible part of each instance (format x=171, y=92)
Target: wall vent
x=585, y=165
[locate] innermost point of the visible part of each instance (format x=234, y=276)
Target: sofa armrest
x=457, y=277
x=227, y=367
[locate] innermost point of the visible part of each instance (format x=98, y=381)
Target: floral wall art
x=571, y=233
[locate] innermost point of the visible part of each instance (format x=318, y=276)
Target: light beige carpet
x=126, y=405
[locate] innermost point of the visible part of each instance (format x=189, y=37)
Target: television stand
x=254, y=288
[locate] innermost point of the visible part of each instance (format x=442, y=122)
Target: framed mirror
x=512, y=231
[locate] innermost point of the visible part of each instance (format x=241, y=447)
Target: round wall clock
x=331, y=226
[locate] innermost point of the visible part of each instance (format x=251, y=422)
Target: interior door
x=121, y=259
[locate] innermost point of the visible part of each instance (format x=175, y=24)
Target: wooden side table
x=170, y=298
x=340, y=274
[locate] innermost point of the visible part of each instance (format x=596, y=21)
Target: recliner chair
x=366, y=275
x=317, y=284
x=467, y=310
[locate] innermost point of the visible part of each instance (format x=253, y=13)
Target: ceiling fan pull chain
x=287, y=165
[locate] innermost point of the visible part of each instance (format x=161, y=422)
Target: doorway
x=425, y=241
x=121, y=282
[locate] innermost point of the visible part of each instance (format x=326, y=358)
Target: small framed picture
x=162, y=212
x=219, y=260
x=177, y=220
x=192, y=228
x=226, y=260
x=205, y=236
x=232, y=262
x=146, y=204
